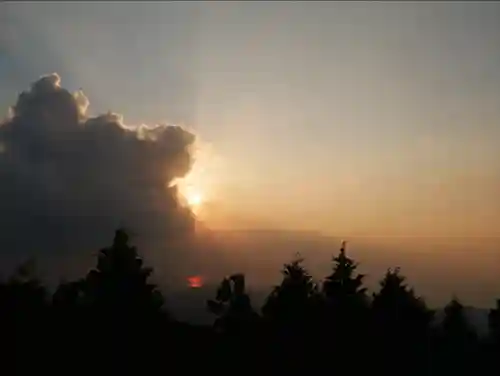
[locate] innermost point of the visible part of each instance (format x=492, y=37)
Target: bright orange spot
x=195, y=282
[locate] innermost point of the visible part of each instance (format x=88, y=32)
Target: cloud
x=68, y=179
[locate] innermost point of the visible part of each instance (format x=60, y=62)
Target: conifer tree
x=457, y=340
x=396, y=304
x=291, y=302
x=232, y=305
x=290, y=318
x=24, y=312
x=344, y=286
x=345, y=314
x=68, y=296
x=494, y=324
x=123, y=308
x=455, y=327
x=119, y=283
x=23, y=298
x=401, y=324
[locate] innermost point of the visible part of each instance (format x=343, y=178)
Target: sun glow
x=195, y=282
x=194, y=199
x=201, y=185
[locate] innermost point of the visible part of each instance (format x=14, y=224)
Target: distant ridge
x=190, y=306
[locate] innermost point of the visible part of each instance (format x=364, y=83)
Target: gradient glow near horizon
x=360, y=118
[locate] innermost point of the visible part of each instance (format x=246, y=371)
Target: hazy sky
x=357, y=118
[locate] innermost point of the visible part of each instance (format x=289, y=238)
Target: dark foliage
x=494, y=323
x=114, y=319
x=401, y=323
x=346, y=307
x=233, y=307
x=457, y=340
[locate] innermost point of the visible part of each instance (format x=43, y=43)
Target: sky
x=348, y=118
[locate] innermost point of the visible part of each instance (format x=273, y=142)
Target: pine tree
x=119, y=283
x=494, y=324
x=68, y=296
x=344, y=286
x=397, y=304
x=492, y=346
x=345, y=317
x=23, y=299
x=232, y=305
x=401, y=323
x=458, y=340
x=291, y=303
x=290, y=317
x=123, y=308
x=455, y=327
x=24, y=313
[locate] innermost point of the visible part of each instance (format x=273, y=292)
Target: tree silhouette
x=492, y=346
x=24, y=313
x=494, y=324
x=24, y=293
x=343, y=288
x=458, y=339
x=290, y=302
x=289, y=314
x=68, y=309
x=346, y=305
x=401, y=323
x=344, y=284
x=232, y=305
x=455, y=327
x=124, y=309
x=396, y=302
x=119, y=283
x=23, y=297
x=114, y=317
x=236, y=320
x=68, y=296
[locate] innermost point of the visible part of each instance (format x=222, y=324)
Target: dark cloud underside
x=67, y=179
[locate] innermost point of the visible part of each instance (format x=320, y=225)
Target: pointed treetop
x=298, y=258
x=121, y=237
x=393, y=279
x=342, y=258
x=344, y=280
x=454, y=305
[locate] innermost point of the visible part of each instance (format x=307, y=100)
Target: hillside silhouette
x=115, y=318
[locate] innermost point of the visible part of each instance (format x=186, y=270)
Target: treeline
x=113, y=319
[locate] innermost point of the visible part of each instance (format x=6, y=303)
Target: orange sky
x=364, y=118
x=349, y=118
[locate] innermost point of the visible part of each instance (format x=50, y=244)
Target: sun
x=194, y=199
x=191, y=197
x=198, y=188
x=195, y=282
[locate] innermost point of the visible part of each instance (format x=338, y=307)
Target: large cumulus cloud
x=68, y=179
